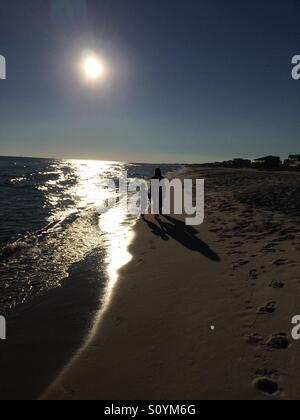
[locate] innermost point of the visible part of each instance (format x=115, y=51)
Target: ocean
x=49, y=223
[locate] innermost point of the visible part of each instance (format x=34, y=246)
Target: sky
x=187, y=81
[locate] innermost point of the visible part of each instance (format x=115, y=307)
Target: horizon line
x=129, y=162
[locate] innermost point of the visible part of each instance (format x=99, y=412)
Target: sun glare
x=93, y=68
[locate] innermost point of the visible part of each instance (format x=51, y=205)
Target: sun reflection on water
x=89, y=174
x=115, y=226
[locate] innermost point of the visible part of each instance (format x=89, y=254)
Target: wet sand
x=203, y=314
x=43, y=335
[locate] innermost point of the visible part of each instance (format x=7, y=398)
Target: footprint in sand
x=277, y=284
x=267, y=309
x=266, y=385
x=278, y=341
x=280, y=262
x=254, y=339
x=266, y=381
x=243, y=262
x=253, y=274
x=270, y=248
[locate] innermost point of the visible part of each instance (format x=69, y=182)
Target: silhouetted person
x=158, y=175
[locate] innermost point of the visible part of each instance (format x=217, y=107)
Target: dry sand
x=238, y=272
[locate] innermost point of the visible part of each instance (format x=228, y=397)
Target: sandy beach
x=203, y=313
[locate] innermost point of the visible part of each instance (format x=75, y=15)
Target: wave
x=10, y=249
x=40, y=260
x=30, y=239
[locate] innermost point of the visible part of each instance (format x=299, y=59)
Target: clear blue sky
x=189, y=81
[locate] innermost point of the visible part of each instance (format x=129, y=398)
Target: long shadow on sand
x=172, y=228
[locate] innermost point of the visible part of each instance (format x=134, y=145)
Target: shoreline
x=80, y=289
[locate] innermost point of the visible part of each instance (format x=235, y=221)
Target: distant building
x=236, y=163
x=241, y=163
x=293, y=161
x=269, y=161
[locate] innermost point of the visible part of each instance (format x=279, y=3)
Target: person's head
x=158, y=173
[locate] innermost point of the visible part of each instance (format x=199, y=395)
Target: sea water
x=49, y=223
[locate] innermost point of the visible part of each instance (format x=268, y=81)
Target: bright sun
x=93, y=68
